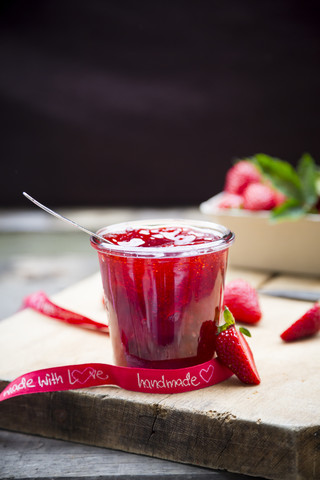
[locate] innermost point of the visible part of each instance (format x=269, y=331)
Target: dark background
x=148, y=103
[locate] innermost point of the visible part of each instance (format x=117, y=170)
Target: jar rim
x=226, y=238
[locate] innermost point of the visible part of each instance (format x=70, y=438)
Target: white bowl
x=288, y=247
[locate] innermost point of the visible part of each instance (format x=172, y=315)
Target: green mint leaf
x=245, y=331
x=281, y=174
x=307, y=172
x=318, y=180
x=291, y=209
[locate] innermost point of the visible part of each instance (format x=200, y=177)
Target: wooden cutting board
x=271, y=430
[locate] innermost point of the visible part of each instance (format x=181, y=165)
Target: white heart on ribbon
x=206, y=373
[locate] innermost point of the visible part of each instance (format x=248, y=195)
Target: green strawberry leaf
x=281, y=174
x=245, y=331
x=228, y=317
x=229, y=320
x=307, y=172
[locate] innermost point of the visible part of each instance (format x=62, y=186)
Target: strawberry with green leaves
x=299, y=186
x=306, y=326
x=263, y=182
x=234, y=351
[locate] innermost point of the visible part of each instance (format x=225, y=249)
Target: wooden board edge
x=250, y=448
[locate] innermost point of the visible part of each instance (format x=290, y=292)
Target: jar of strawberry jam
x=163, y=284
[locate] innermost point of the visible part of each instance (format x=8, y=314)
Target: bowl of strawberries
x=274, y=210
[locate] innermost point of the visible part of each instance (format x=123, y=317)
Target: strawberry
x=234, y=351
x=230, y=200
x=240, y=176
x=242, y=299
x=305, y=326
x=258, y=196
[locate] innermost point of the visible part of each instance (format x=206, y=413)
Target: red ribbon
x=146, y=380
x=72, y=377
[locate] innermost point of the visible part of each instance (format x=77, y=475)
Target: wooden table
x=23, y=455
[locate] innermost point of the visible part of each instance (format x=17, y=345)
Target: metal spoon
x=65, y=219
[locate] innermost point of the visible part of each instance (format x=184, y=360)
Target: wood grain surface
x=29, y=456
x=271, y=430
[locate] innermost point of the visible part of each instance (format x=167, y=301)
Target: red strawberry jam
x=163, y=286
x=161, y=236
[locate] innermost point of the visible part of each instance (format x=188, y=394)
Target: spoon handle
x=65, y=219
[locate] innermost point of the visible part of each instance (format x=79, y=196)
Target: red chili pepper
x=40, y=302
